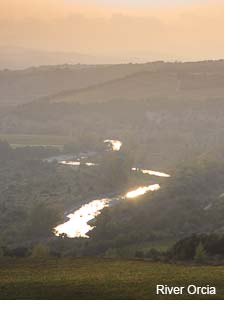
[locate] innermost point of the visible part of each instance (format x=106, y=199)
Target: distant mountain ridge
x=20, y=58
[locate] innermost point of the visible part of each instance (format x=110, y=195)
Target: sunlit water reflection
x=115, y=144
x=70, y=163
x=142, y=190
x=76, y=163
x=77, y=225
x=151, y=172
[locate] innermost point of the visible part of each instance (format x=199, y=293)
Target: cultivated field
x=97, y=278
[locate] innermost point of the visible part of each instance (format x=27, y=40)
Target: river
x=77, y=223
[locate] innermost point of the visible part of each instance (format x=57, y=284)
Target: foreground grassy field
x=93, y=278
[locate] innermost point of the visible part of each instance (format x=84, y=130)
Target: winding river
x=77, y=223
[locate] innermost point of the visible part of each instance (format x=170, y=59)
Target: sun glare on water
x=77, y=225
x=115, y=144
x=76, y=163
x=151, y=172
x=70, y=163
x=142, y=190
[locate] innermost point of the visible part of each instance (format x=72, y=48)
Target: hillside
x=22, y=86
x=172, y=110
x=145, y=85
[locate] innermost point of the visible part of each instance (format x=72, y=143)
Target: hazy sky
x=146, y=29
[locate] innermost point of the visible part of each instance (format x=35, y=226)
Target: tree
x=1, y=252
x=200, y=253
x=153, y=254
x=5, y=150
x=40, y=251
x=111, y=253
x=116, y=167
x=139, y=254
x=1, y=247
x=42, y=219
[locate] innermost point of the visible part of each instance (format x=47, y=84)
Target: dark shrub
x=186, y=248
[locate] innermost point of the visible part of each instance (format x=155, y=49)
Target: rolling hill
x=172, y=110
x=22, y=86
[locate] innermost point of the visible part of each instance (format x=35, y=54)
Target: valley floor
x=98, y=278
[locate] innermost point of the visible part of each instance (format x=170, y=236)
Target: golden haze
x=193, y=31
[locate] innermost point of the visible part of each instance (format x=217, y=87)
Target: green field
x=97, y=278
x=16, y=140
